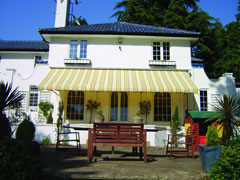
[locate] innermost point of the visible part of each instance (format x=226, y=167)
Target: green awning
x=202, y=114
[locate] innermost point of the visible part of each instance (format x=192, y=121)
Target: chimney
x=62, y=13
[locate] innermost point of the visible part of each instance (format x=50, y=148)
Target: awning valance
x=118, y=80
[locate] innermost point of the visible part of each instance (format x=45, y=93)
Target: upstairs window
x=78, y=50
x=83, y=49
x=73, y=49
x=166, y=51
x=161, y=51
x=156, y=51
x=39, y=60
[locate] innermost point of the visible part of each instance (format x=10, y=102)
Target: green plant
x=145, y=107
x=46, y=140
x=175, y=123
x=8, y=97
x=229, y=108
x=50, y=118
x=25, y=130
x=138, y=112
x=99, y=110
x=212, y=136
x=46, y=108
x=228, y=165
x=91, y=105
x=60, y=118
x=16, y=162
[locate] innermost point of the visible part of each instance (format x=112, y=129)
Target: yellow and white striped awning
x=118, y=80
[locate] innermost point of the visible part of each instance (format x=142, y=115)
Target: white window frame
x=80, y=49
x=162, y=56
x=73, y=49
x=33, y=96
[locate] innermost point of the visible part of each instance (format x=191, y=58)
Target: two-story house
x=119, y=65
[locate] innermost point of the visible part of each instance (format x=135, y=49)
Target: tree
x=8, y=97
x=229, y=108
x=175, y=124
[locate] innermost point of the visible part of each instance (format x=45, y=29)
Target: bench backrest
x=118, y=133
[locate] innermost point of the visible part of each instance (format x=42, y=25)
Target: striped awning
x=118, y=80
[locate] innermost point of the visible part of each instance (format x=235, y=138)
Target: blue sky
x=21, y=19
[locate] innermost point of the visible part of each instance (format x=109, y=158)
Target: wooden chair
x=189, y=142
x=66, y=136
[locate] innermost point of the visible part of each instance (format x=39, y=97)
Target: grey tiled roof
x=121, y=28
x=23, y=46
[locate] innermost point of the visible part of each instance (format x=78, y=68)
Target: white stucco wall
x=104, y=52
x=223, y=85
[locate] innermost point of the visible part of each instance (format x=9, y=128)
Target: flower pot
x=138, y=119
x=99, y=118
x=208, y=156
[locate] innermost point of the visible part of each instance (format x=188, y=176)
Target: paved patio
x=68, y=165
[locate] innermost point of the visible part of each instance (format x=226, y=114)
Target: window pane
x=162, y=107
x=75, y=106
x=73, y=49
x=83, y=49
x=156, y=51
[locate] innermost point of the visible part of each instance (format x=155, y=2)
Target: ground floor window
x=162, y=107
x=203, y=100
x=119, y=106
x=75, y=105
x=33, y=96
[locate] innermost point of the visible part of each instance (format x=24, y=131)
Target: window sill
x=162, y=63
x=77, y=61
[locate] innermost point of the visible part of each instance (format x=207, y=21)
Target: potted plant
x=145, y=107
x=210, y=152
x=91, y=105
x=99, y=117
x=138, y=118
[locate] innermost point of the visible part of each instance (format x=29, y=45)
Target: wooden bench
x=117, y=134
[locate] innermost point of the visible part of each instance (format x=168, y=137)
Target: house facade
x=118, y=65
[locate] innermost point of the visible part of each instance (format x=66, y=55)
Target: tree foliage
x=8, y=97
x=229, y=108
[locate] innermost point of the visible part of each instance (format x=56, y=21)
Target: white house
x=117, y=64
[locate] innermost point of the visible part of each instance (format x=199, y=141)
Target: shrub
x=25, y=130
x=212, y=136
x=50, y=118
x=46, y=140
x=16, y=163
x=228, y=165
